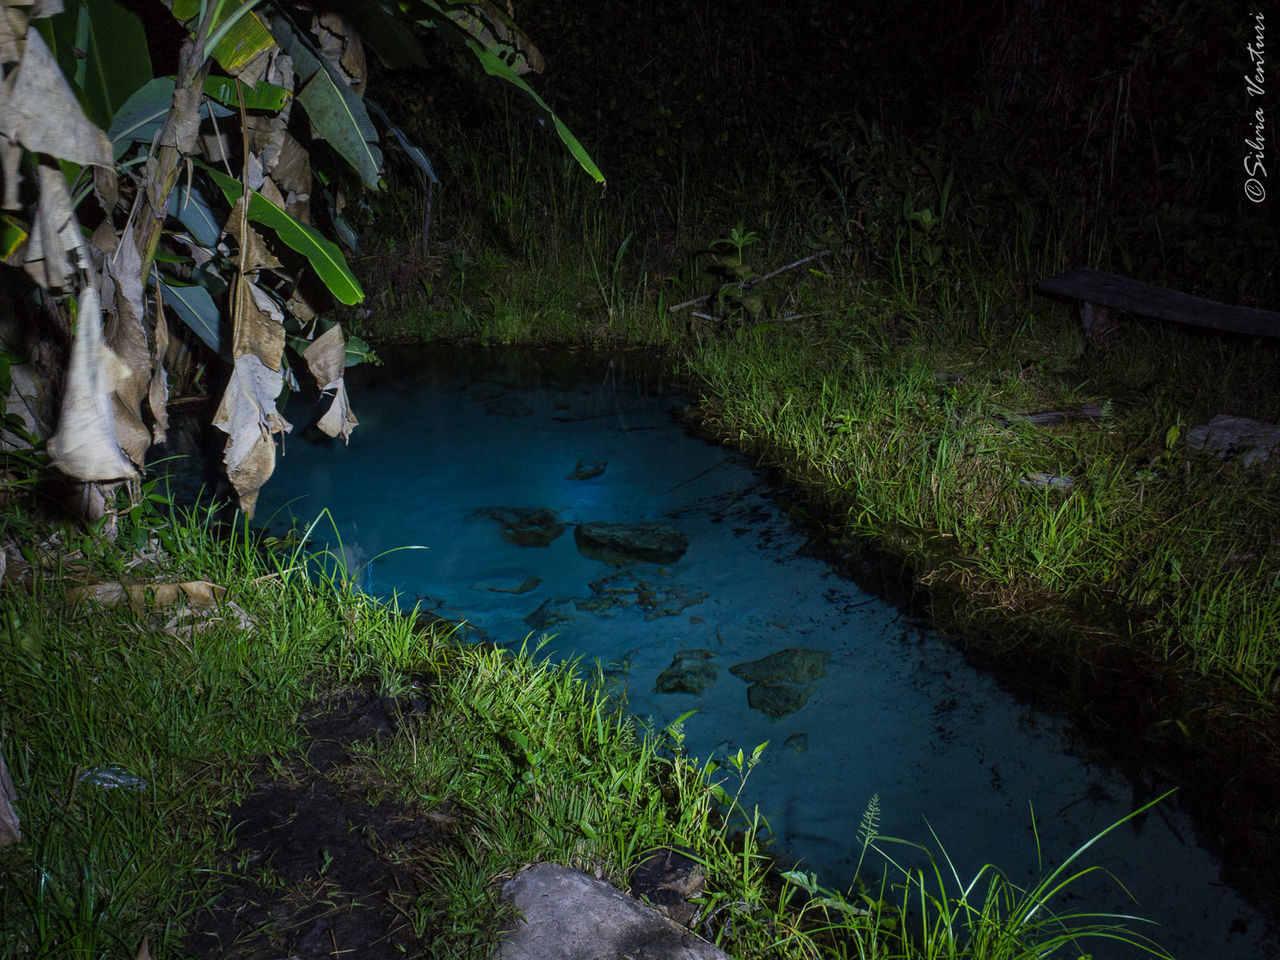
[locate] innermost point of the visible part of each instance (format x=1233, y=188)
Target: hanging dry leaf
x=258, y=331
x=9, y=823
x=105, y=237
x=272, y=193
x=248, y=416
x=125, y=268
x=339, y=420
x=85, y=445
x=28, y=402
x=40, y=112
x=256, y=255
x=107, y=186
x=300, y=309
x=13, y=27
x=55, y=234
x=326, y=359
x=292, y=172
x=218, y=147
x=144, y=951
x=158, y=393
x=523, y=58
x=268, y=133
x=128, y=341
x=10, y=160
x=342, y=47
x=182, y=122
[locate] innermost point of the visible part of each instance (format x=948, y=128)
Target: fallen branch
x=789, y=266
x=688, y=303
x=749, y=284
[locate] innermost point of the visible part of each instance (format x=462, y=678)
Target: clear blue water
x=899, y=712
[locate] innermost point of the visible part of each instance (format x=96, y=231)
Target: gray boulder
x=567, y=915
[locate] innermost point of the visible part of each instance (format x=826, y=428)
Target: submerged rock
x=508, y=585
x=525, y=526
x=792, y=665
x=691, y=671
x=547, y=615
x=799, y=742
x=623, y=543
x=656, y=599
x=586, y=469
x=776, y=700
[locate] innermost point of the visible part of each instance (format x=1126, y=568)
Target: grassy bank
x=156, y=683
x=867, y=321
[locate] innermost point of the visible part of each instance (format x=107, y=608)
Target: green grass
x=530, y=760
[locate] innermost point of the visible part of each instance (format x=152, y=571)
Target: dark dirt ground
x=336, y=878
x=332, y=875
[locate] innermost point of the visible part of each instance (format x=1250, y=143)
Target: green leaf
x=236, y=35
x=265, y=96
x=323, y=254
x=141, y=115
x=13, y=234
x=102, y=49
x=358, y=351
x=336, y=111
x=144, y=113
x=189, y=205
x=496, y=67
x=195, y=306
x=412, y=149
x=388, y=37
x=341, y=119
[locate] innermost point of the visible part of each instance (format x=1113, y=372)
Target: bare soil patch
x=322, y=872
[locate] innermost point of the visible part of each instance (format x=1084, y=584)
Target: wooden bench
x=1099, y=293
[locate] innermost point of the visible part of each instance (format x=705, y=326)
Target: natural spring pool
x=479, y=457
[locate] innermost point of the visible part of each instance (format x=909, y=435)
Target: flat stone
x=567, y=915
x=1225, y=437
x=623, y=543
x=792, y=665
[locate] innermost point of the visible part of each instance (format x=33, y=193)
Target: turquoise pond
x=457, y=449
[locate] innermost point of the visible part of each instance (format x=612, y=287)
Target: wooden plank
x=1144, y=299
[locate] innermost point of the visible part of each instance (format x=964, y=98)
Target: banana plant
x=133, y=199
